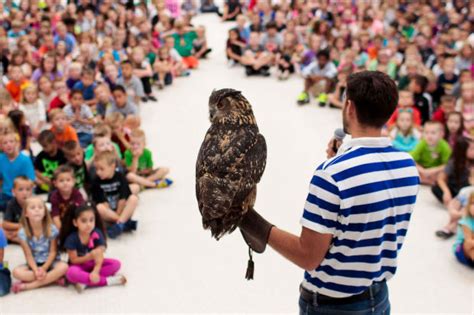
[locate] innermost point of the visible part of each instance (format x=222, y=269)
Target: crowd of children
x=74, y=75
x=73, y=156
x=427, y=47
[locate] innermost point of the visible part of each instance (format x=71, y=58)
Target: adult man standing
x=356, y=214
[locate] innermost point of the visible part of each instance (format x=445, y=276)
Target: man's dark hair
x=323, y=53
x=119, y=88
x=374, y=96
x=46, y=137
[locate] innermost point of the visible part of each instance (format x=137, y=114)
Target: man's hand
x=330, y=148
x=255, y=230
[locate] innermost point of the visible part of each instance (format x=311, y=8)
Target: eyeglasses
x=405, y=110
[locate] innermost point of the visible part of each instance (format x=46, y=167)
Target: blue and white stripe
x=364, y=197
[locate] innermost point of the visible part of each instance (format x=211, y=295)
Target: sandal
x=444, y=234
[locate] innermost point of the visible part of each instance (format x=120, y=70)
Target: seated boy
x=22, y=190
x=65, y=197
x=101, y=130
x=110, y=191
x=80, y=117
x=62, y=131
x=131, y=83
x=75, y=158
x=87, y=86
x=255, y=58
x=139, y=160
x=432, y=153
x=13, y=163
x=447, y=106
x=47, y=161
x=321, y=74
x=121, y=103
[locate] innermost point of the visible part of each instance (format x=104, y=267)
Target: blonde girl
x=33, y=107
x=38, y=239
x=405, y=136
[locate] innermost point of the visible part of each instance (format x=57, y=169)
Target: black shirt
x=47, y=164
x=110, y=190
x=13, y=212
x=73, y=242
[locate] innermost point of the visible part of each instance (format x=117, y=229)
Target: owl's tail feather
x=250, y=266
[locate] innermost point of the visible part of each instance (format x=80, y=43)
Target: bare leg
x=24, y=274
x=106, y=213
x=159, y=174
x=58, y=271
x=137, y=179
x=129, y=209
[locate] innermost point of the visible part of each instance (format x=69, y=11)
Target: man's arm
x=306, y=251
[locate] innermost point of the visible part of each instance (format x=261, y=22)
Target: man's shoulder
x=360, y=157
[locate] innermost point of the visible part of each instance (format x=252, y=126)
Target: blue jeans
x=84, y=139
x=5, y=282
x=377, y=305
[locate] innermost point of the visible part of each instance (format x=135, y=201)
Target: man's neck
x=366, y=133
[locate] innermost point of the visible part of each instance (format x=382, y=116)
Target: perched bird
x=230, y=163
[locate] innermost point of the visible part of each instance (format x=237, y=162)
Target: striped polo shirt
x=364, y=197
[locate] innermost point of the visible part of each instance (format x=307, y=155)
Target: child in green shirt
x=139, y=160
x=432, y=153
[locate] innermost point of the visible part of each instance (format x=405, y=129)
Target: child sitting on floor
x=22, y=190
x=65, y=196
x=75, y=158
x=63, y=132
x=47, y=161
x=80, y=117
x=110, y=191
x=139, y=160
x=85, y=244
x=405, y=136
x=38, y=239
x=432, y=153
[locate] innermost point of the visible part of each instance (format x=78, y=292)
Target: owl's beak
x=212, y=113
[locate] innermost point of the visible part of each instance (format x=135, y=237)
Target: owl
x=230, y=163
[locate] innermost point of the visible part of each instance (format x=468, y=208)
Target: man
x=321, y=74
x=357, y=211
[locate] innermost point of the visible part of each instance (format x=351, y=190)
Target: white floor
x=173, y=266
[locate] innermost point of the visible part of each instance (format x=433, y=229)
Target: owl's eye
x=220, y=105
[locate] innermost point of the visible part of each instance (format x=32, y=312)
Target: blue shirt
x=465, y=221
x=364, y=197
x=39, y=246
x=9, y=170
x=69, y=39
x=87, y=91
x=3, y=244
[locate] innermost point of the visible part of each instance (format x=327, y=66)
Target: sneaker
x=231, y=63
x=186, y=73
x=444, y=234
x=79, y=287
x=152, y=98
x=322, y=99
x=303, y=98
x=249, y=71
x=130, y=225
x=265, y=72
x=144, y=99
x=114, y=231
x=163, y=183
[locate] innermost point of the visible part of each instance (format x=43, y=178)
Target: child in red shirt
x=448, y=104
